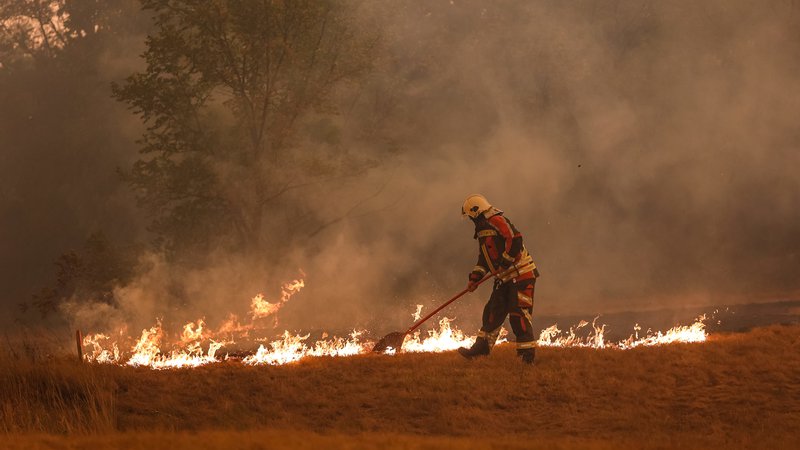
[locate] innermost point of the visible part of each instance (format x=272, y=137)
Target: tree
x=41, y=30
x=31, y=29
x=88, y=275
x=226, y=85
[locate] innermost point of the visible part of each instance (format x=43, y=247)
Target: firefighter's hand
x=474, y=278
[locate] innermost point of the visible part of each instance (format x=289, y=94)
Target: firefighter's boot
x=527, y=355
x=479, y=348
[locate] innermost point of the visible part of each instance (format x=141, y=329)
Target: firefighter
x=501, y=250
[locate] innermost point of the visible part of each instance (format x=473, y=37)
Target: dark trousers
x=513, y=300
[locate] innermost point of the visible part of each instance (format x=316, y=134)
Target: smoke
x=62, y=139
x=647, y=152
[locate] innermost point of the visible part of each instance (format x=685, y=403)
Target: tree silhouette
x=225, y=87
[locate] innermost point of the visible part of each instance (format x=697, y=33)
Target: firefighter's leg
x=494, y=314
x=521, y=321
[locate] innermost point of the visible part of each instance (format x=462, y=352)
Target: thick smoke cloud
x=647, y=151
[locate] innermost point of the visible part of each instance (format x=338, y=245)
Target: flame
x=102, y=354
x=198, y=344
x=554, y=337
x=232, y=327
x=695, y=332
x=192, y=331
x=417, y=314
x=438, y=340
x=260, y=307
x=147, y=352
x=293, y=348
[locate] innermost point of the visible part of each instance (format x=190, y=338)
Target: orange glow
x=197, y=344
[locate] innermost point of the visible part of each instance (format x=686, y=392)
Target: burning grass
x=734, y=390
x=198, y=344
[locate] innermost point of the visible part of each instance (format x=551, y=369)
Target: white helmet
x=475, y=205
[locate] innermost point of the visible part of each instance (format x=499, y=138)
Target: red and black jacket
x=501, y=247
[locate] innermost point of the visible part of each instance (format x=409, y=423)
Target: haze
x=648, y=151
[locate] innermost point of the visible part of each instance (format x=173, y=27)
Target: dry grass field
x=734, y=391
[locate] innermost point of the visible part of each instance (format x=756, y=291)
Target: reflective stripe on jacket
x=499, y=239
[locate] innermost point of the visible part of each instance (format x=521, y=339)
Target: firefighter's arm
x=509, y=253
x=478, y=272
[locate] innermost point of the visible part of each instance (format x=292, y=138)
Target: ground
x=737, y=390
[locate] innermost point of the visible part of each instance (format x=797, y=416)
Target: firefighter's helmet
x=475, y=205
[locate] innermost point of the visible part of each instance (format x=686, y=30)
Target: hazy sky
x=647, y=150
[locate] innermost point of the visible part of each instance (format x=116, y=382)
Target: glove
x=474, y=278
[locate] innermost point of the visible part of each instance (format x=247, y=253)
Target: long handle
x=421, y=321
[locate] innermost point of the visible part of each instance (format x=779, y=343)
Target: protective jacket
x=500, y=247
